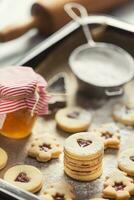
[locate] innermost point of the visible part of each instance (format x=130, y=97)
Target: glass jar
x=23, y=97
x=18, y=124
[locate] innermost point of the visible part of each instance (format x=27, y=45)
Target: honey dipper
x=48, y=16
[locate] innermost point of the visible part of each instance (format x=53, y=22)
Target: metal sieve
x=99, y=64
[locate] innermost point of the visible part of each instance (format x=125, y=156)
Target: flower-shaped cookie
x=118, y=186
x=59, y=191
x=45, y=148
x=109, y=132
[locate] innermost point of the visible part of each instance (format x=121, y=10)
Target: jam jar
x=23, y=98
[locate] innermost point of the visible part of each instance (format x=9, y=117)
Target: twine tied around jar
x=36, y=94
x=20, y=97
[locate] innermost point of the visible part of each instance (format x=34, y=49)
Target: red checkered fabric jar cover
x=21, y=87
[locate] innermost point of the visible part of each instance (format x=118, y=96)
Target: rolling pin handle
x=13, y=32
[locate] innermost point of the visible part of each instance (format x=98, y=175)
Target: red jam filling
x=119, y=186
x=106, y=135
x=59, y=197
x=73, y=115
x=22, y=177
x=45, y=147
x=84, y=143
x=132, y=158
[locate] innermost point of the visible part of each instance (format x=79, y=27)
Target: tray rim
x=14, y=192
x=70, y=28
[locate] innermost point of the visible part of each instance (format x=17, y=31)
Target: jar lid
x=16, y=76
x=21, y=87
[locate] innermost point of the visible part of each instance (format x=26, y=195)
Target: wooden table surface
x=18, y=11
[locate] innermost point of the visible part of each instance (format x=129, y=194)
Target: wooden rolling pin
x=49, y=15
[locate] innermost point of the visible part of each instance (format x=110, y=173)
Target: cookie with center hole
x=118, y=186
x=110, y=133
x=45, y=148
x=25, y=177
x=73, y=119
x=126, y=161
x=84, y=146
x=83, y=153
x=59, y=191
x=123, y=114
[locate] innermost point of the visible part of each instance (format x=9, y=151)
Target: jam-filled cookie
x=45, y=148
x=83, y=154
x=110, y=134
x=118, y=186
x=73, y=119
x=83, y=177
x=25, y=177
x=126, y=161
x=59, y=191
x=3, y=158
x=84, y=146
x=123, y=114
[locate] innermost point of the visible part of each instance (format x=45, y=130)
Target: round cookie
x=3, y=158
x=45, y=148
x=80, y=163
x=73, y=119
x=84, y=177
x=59, y=191
x=84, y=146
x=84, y=169
x=25, y=177
x=123, y=114
x=109, y=132
x=82, y=173
x=126, y=161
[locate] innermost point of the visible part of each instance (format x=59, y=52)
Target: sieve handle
x=114, y=91
x=69, y=8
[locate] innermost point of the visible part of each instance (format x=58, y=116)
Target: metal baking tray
x=50, y=58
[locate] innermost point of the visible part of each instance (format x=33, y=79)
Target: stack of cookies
x=83, y=154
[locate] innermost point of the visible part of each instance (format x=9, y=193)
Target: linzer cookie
x=73, y=119
x=83, y=177
x=59, y=191
x=83, y=154
x=123, y=114
x=25, y=177
x=126, y=161
x=118, y=186
x=3, y=158
x=84, y=146
x=45, y=148
x=110, y=134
